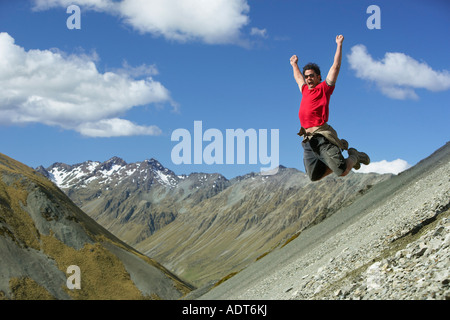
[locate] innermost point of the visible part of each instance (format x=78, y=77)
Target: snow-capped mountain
x=115, y=171
x=109, y=174
x=144, y=195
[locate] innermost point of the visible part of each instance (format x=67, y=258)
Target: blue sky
x=137, y=71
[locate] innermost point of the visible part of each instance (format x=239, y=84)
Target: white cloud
x=259, y=32
x=395, y=167
x=68, y=91
x=137, y=72
x=116, y=128
x=97, y=5
x=210, y=21
x=397, y=74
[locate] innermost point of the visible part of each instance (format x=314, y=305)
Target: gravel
x=392, y=243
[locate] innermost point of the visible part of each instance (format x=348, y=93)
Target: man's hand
x=334, y=70
x=297, y=74
x=294, y=60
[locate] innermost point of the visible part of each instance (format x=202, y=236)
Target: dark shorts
x=320, y=154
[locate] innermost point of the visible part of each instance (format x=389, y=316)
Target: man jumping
x=322, y=147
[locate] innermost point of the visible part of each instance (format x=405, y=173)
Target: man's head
x=311, y=72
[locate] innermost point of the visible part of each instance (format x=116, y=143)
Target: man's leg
x=327, y=172
x=314, y=167
x=349, y=162
x=326, y=159
x=332, y=156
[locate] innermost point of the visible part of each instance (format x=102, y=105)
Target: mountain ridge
x=183, y=220
x=42, y=233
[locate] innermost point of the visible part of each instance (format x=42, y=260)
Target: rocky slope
x=391, y=243
x=42, y=233
x=203, y=226
x=225, y=233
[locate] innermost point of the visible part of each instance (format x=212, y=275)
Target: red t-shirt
x=314, y=105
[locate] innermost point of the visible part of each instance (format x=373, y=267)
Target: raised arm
x=298, y=76
x=334, y=70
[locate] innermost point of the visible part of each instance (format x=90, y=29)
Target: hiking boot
x=344, y=144
x=360, y=157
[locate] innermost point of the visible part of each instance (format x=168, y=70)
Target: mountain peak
x=109, y=173
x=116, y=160
x=155, y=163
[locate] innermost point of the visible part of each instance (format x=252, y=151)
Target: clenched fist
x=294, y=60
x=339, y=39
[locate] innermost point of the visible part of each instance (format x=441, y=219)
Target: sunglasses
x=312, y=75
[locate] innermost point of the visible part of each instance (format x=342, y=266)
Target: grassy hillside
x=42, y=233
